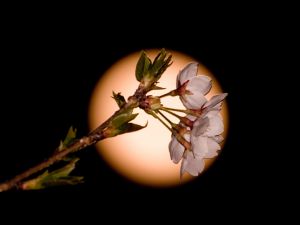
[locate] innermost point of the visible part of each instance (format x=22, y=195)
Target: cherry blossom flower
x=192, y=87
x=204, y=137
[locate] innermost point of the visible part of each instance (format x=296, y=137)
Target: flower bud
x=151, y=103
x=154, y=102
x=148, y=72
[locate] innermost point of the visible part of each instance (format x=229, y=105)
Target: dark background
x=50, y=68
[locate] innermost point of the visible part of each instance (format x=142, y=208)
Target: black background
x=51, y=65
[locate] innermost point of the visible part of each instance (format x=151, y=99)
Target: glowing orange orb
x=143, y=156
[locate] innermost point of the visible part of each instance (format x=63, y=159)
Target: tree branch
x=93, y=137
x=76, y=146
x=148, y=73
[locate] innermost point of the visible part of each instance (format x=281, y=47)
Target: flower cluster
x=202, y=129
x=198, y=134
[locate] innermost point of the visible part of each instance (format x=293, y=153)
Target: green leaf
x=119, y=99
x=70, y=137
x=126, y=128
x=160, y=56
x=131, y=127
x=122, y=119
x=161, y=62
x=142, y=66
x=54, y=178
x=64, y=171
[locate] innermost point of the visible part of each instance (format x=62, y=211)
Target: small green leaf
x=119, y=99
x=142, y=66
x=64, y=171
x=70, y=137
x=154, y=87
x=126, y=128
x=122, y=119
x=131, y=127
x=54, y=178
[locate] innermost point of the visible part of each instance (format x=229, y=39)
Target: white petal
x=198, y=87
x=218, y=138
x=187, y=137
x=216, y=126
x=182, y=167
x=192, y=118
x=176, y=150
x=193, y=101
x=214, y=101
x=212, y=113
x=200, y=126
x=213, y=147
x=199, y=146
x=187, y=73
x=200, y=84
x=217, y=107
x=191, y=165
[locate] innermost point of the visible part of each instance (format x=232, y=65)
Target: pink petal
x=176, y=150
x=216, y=126
x=187, y=73
x=200, y=126
x=214, y=101
x=191, y=118
x=199, y=146
x=211, y=113
x=193, y=101
x=200, y=84
x=218, y=138
x=213, y=147
x=192, y=165
x=217, y=107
